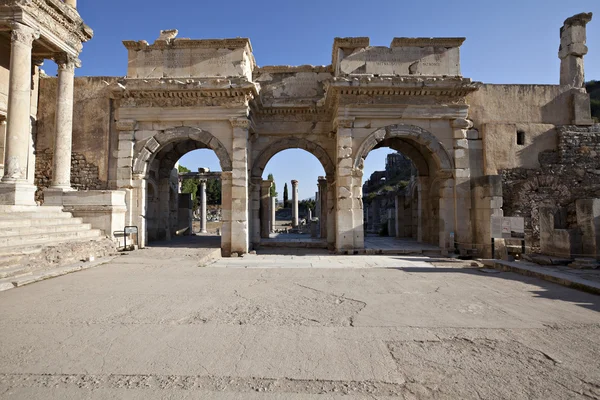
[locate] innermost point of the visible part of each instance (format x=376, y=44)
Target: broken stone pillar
x=184, y=214
x=15, y=189
x=273, y=213
x=203, y=206
x=265, y=212
x=294, y=204
x=322, y=206
x=239, y=186
x=588, y=220
x=310, y=214
x=572, y=49
x=555, y=239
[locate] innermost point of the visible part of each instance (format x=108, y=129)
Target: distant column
x=273, y=209
x=294, y=204
x=323, y=205
x=203, y=206
x=265, y=205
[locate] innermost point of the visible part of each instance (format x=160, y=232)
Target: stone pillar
x=61, y=172
x=446, y=216
x=344, y=200
x=462, y=184
x=15, y=188
x=239, y=186
x=323, y=207
x=226, y=178
x=255, y=222
x=486, y=192
x=330, y=211
x=572, y=49
x=2, y=141
x=265, y=205
x=202, y=206
x=294, y=204
x=273, y=213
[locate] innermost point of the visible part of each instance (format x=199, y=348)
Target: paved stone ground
x=156, y=325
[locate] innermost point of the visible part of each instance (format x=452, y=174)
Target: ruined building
x=473, y=145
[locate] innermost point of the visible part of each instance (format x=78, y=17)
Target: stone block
x=144, y=135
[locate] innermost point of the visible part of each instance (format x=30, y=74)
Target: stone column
x=323, y=206
x=344, y=201
x=572, y=49
x=273, y=210
x=294, y=204
x=2, y=141
x=15, y=189
x=61, y=172
x=462, y=184
x=239, y=186
x=203, y=206
x=265, y=212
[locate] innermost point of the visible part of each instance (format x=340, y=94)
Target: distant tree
x=273, y=188
x=213, y=192
x=285, y=196
x=183, y=169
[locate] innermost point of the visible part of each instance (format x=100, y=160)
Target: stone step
x=40, y=230
x=49, y=238
x=33, y=222
x=16, y=271
x=34, y=215
x=13, y=209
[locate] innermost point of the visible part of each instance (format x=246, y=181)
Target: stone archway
x=152, y=164
x=258, y=165
x=326, y=187
x=188, y=138
x=435, y=182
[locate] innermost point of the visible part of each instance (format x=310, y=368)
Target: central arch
x=326, y=208
x=258, y=165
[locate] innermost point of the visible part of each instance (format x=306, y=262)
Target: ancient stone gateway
x=465, y=138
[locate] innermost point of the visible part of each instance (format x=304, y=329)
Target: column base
x=53, y=196
x=203, y=231
x=17, y=194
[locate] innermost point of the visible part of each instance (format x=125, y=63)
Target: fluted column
x=294, y=204
x=63, y=139
x=203, y=206
x=15, y=187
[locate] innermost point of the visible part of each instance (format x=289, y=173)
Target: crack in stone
x=198, y=382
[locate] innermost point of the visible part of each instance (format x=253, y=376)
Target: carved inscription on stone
x=187, y=62
x=402, y=61
x=299, y=87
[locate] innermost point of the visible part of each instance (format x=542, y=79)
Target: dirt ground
x=165, y=323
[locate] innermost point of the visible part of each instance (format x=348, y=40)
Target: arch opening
x=406, y=169
x=304, y=169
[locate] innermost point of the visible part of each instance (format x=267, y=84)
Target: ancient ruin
x=475, y=147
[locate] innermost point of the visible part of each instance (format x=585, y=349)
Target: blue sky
x=507, y=42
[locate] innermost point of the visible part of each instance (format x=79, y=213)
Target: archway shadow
x=547, y=290
x=189, y=242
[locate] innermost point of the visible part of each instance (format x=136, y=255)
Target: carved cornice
x=403, y=86
x=62, y=15
x=427, y=42
x=243, y=123
x=183, y=43
x=275, y=69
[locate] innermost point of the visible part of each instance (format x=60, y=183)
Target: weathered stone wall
x=571, y=172
x=84, y=175
x=92, y=111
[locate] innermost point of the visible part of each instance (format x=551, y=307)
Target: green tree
x=285, y=196
x=213, y=192
x=188, y=185
x=273, y=188
x=182, y=169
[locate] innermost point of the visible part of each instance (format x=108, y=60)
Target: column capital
x=66, y=61
x=243, y=123
x=294, y=182
x=23, y=34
